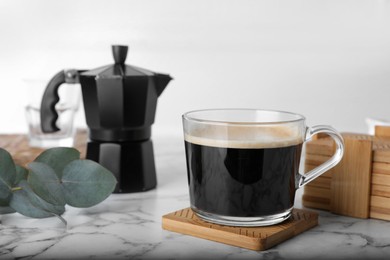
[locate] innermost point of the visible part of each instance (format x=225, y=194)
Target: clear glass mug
x=243, y=164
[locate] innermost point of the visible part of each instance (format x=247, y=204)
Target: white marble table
x=129, y=226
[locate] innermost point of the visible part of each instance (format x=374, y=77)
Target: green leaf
x=22, y=204
x=58, y=157
x=5, y=202
x=4, y=206
x=27, y=203
x=45, y=183
x=6, y=210
x=7, y=173
x=21, y=174
x=86, y=183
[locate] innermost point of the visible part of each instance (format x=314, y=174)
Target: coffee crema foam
x=246, y=137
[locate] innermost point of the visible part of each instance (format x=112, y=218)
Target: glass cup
x=67, y=107
x=243, y=164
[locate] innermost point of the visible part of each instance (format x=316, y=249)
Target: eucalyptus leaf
x=21, y=202
x=4, y=206
x=4, y=191
x=58, y=157
x=27, y=203
x=21, y=174
x=86, y=183
x=45, y=183
x=7, y=173
x=5, y=202
x=6, y=210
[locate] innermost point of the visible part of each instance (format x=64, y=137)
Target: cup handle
x=333, y=161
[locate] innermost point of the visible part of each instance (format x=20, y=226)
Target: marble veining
x=129, y=226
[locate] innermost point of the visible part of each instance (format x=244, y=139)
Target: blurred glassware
x=66, y=109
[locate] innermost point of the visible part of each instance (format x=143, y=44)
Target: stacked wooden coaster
x=359, y=186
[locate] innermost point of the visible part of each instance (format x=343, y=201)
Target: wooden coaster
x=255, y=238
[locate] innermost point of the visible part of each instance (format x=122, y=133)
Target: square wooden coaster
x=255, y=238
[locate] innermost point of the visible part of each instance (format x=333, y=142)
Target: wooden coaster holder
x=359, y=186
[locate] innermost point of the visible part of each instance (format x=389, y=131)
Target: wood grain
x=380, y=202
x=380, y=190
x=315, y=159
x=315, y=202
x=320, y=136
x=255, y=238
x=317, y=192
x=320, y=182
x=381, y=179
x=350, y=188
x=382, y=131
x=309, y=167
x=380, y=208
x=381, y=167
x=379, y=213
x=381, y=155
x=324, y=146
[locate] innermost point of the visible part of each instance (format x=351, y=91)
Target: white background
x=328, y=60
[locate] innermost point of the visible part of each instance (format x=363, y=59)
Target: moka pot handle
x=50, y=98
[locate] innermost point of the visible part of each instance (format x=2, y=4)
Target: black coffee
x=242, y=182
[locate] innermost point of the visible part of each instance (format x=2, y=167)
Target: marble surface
x=129, y=226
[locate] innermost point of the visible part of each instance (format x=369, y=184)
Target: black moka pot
x=120, y=105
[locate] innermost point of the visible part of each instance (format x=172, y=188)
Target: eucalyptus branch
x=55, y=178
